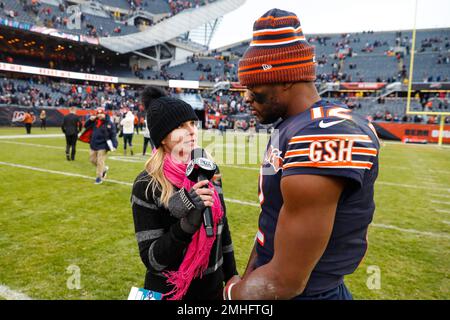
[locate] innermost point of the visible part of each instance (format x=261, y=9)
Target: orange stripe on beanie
x=278, y=51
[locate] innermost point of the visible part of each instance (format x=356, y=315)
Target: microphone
x=201, y=168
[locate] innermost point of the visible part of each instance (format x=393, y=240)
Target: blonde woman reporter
x=181, y=261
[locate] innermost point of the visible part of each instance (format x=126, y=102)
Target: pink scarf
x=196, y=259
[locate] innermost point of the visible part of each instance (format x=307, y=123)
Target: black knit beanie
x=164, y=113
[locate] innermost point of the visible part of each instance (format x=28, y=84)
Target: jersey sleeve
x=342, y=150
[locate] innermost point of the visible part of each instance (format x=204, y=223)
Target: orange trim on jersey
x=321, y=112
x=275, y=62
x=280, y=68
x=324, y=164
x=313, y=116
x=296, y=153
x=330, y=137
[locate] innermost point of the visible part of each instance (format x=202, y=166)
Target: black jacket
x=162, y=245
x=71, y=124
x=100, y=134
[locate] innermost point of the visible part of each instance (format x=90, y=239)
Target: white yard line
x=40, y=145
x=440, y=202
x=32, y=136
x=433, y=184
x=416, y=145
x=254, y=204
x=8, y=294
x=126, y=159
x=440, y=196
x=246, y=203
x=422, y=233
x=418, y=169
x=69, y=174
x=394, y=184
x=441, y=210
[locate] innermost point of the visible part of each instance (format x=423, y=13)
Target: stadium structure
x=55, y=54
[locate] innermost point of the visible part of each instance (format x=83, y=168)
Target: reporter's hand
x=182, y=202
x=203, y=198
x=205, y=194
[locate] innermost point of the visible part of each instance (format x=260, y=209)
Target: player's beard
x=269, y=109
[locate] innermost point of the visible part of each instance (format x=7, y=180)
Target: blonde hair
x=154, y=167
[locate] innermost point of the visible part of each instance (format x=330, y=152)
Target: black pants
x=127, y=139
x=71, y=142
x=43, y=124
x=146, y=142
x=28, y=127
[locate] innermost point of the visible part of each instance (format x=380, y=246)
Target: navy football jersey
x=327, y=139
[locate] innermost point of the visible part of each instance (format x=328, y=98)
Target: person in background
x=181, y=261
x=71, y=127
x=116, y=120
x=28, y=121
x=147, y=139
x=127, y=125
x=136, y=123
x=103, y=139
x=43, y=117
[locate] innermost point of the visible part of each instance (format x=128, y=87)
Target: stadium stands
x=367, y=56
x=356, y=57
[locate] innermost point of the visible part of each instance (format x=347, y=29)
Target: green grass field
x=52, y=216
